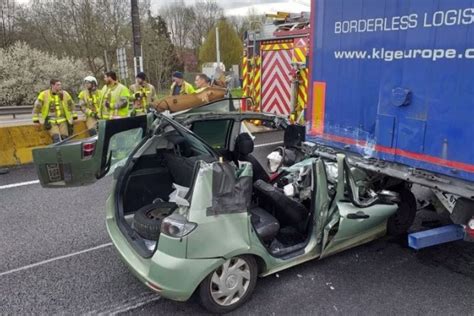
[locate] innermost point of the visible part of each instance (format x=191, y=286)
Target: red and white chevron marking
x=276, y=81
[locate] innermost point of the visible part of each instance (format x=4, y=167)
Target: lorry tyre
x=463, y=211
x=230, y=285
x=401, y=221
x=147, y=220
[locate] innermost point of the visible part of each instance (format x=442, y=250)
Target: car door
x=341, y=223
x=77, y=163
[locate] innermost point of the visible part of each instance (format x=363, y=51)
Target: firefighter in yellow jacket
x=143, y=95
x=54, y=110
x=180, y=86
x=114, y=98
x=89, y=103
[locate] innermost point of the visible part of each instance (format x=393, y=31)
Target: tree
x=179, y=19
x=159, y=52
x=25, y=71
x=206, y=15
x=79, y=28
x=251, y=22
x=8, y=10
x=231, y=46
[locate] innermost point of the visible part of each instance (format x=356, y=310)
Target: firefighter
x=89, y=103
x=143, y=95
x=114, y=98
x=54, y=110
x=179, y=86
x=202, y=82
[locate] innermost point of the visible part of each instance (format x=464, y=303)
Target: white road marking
x=127, y=304
x=268, y=144
x=19, y=184
x=131, y=305
x=55, y=259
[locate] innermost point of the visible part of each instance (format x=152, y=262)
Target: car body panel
x=168, y=268
x=59, y=166
x=340, y=243
x=274, y=264
x=175, y=247
x=177, y=277
x=227, y=232
x=64, y=164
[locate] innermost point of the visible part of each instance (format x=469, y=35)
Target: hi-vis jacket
x=89, y=102
x=57, y=107
x=114, y=101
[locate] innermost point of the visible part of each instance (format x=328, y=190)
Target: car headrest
x=244, y=144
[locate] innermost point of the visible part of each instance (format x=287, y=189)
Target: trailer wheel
x=401, y=221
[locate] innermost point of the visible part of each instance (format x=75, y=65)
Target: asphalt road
x=56, y=257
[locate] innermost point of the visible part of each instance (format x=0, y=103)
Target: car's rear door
x=82, y=162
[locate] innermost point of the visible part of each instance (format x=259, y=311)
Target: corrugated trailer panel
x=397, y=78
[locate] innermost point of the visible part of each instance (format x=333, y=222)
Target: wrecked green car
x=192, y=211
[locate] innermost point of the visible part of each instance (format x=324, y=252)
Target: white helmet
x=91, y=79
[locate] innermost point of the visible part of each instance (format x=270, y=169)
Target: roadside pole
x=137, y=47
x=218, y=52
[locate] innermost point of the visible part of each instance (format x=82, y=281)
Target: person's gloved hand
x=47, y=123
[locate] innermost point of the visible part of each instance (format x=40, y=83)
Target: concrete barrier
x=17, y=142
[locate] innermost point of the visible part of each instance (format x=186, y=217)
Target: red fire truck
x=275, y=72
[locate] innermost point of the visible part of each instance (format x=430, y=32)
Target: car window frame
x=183, y=131
x=227, y=135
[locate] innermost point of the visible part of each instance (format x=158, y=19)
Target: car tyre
x=230, y=285
x=401, y=221
x=147, y=220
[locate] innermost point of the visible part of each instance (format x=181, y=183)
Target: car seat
x=265, y=224
x=287, y=210
x=242, y=151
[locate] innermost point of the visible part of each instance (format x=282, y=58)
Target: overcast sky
x=224, y=4
x=240, y=6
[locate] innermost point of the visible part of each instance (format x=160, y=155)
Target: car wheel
x=401, y=221
x=230, y=285
x=147, y=220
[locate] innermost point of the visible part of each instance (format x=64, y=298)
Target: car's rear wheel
x=230, y=285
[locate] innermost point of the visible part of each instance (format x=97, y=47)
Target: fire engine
x=274, y=70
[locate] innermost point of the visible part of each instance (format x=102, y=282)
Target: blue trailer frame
x=392, y=82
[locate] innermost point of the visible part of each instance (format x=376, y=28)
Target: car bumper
x=172, y=277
